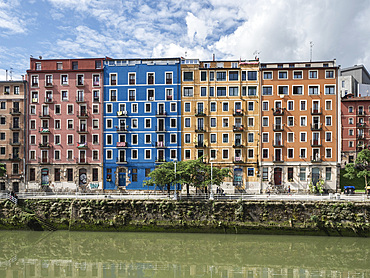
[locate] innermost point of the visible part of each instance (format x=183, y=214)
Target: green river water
x=99, y=254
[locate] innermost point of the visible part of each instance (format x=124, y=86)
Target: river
x=99, y=254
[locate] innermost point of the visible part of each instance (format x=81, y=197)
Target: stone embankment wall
x=265, y=217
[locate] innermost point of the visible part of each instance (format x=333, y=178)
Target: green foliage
x=358, y=183
x=2, y=170
x=361, y=167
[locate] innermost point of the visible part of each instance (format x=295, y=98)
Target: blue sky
x=280, y=30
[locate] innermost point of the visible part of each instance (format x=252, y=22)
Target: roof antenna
x=255, y=53
x=11, y=74
x=311, y=47
x=186, y=54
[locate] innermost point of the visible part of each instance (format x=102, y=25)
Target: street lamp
x=210, y=186
x=175, y=194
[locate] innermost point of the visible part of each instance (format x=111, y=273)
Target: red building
x=65, y=109
x=355, y=126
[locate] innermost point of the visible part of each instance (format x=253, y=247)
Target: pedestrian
x=289, y=190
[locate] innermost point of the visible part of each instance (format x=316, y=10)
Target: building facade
x=355, y=113
x=299, y=125
x=65, y=124
x=142, y=126
x=12, y=135
x=220, y=118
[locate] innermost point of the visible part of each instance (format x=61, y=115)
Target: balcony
x=160, y=160
x=14, y=142
x=238, y=128
x=316, y=111
x=316, y=143
x=200, y=129
x=200, y=145
x=121, y=145
x=82, y=145
x=169, y=97
x=160, y=129
x=14, y=127
x=238, y=160
x=160, y=113
x=35, y=100
x=48, y=100
x=361, y=136
x=44, y=145
x=200, y=112
x=48, y=84
x=316, y=159
x=122, y=128
x=238, y=145
x=278, y=127
x=160, y=144
x=361, y=125
x=277, y=159
x=15, y=111
x=121, y=113
x=96, y=99
x=361, y=113
x=121, y=160
x=44, y=160
x=44, y=115
x=81, y=160
x=83, y=115
x=316, y=126
x=278, y=111
x=238, y=112
x=278, y=143
x=80, y=100
x=360, y=148
x=82, y=129
x=44, y=130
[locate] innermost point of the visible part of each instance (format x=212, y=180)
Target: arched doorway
x=278, y=172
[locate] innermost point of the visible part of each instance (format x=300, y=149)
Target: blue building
x=142, y=126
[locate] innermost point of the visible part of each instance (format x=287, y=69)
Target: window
x=265, y=106
x=80, y=80
x=69, y=124
x=211, y=76
x=233, y=91
x=131, y=78
x=213, y=138
x=95, y=174
x=283, y=90
x=252, y=75
x=350, y=121
x=203, y=91
x=329, y=74
x=69, y=154
x=225, y=138
x=328, y=120
x=303, y=136
x=265, y=173
x=113, y=95
x=267, y=91
x=312, y=74
x=173, y=123
x=173, y=107
x=350, y=132
x=57, y=108
x=290, y=153
x=168, y=77
x=187, y=138
x=225, y=154
x=134, y=123
x=95, y=123
x=188, y=76
x=221, y=91
x=32, y=174
x=244, y=91
x=328, y=105
x=297, y=90
x=283, y=75
x=290, y=121
x=95, y=139
x=187, y=106
x=187, y=122
x=267, y=75
x=328, y=136
x=225, y=106
x=252, y=90
x=328, y=173
x=329, y=90
x=303, y=153
x=313, y=90
x=64, y=95
x=251, y=122
x=213, y=107
x=297, y=75
x=188, y=91
x=213, y=122
x=134, y=154
x=57, y=154
x=290, y=105
x=69, y=174
x=70, y=109
x=221, y=76
x=303, y=105
x=250, y=137
x=33, y=110
x=109, y=139
x=109, y=123
x=3, y=105
x=64, y=79
x=57, y=139
x=265, y=137
x=148, y=154
x=328, y=153
x=290, y=137
x=34, y=82
x=233, y=76
x=265, y=121
x=265, y=153
x=250, y=106
x=113, y=79
x=225, y=122
x=131, y=95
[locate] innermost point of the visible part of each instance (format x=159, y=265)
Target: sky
x=273, y=30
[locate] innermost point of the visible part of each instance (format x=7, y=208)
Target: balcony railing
x=316, y=111
x=48, y=100
x=14, y=127
x=122, y=113
x=122, y=128
x=169, y=97
x=15, y=111
x=81, y=160
x=13, y=142
x=238, y=112
x=361, y=113
x=44, y=115
x=238, y=145
x=44, y=130
x=160, y=160
x=44, y=145
x=200, y=129
x=82, y=129
x=83, y=115
x=121, y=160
x=361, y=125
x=43, y=160
x=316, y=159
x=48, y=84
x=278, y=111
x=361, y=136
x=238, y=159
x=238, y=128
x=316, y=126
x=316, y=143
x=278, y=143
x=96, y=99
x=80, y=100
x=160, y=144
x=160, y=113
x=160, y=129
x=278, y=127
x=200, y=145
x=277, y=158
x=200, y=112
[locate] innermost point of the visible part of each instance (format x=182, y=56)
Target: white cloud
x=11, y=21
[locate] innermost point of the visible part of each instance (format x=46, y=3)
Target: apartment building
x=65, y=116
x=220, y=118
x=355, y=113
x=12, y=134
x=299, y=125
x=142, y=127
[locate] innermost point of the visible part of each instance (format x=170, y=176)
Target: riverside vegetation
x=264, y=217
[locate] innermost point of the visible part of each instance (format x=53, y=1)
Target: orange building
x=220, y=118
x=299, y=125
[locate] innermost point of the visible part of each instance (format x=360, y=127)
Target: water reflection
x=78, y=254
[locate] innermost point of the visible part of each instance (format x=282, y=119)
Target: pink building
x=65, y=109
x=355, y=126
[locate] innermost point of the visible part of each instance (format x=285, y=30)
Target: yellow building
x=220, y=118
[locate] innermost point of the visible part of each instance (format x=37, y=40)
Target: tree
x=2, y=170
x=163, y=175
x=361, y=168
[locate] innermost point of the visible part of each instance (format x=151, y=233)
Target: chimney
x=213, y=57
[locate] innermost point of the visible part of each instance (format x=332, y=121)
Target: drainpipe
x=25, y=133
